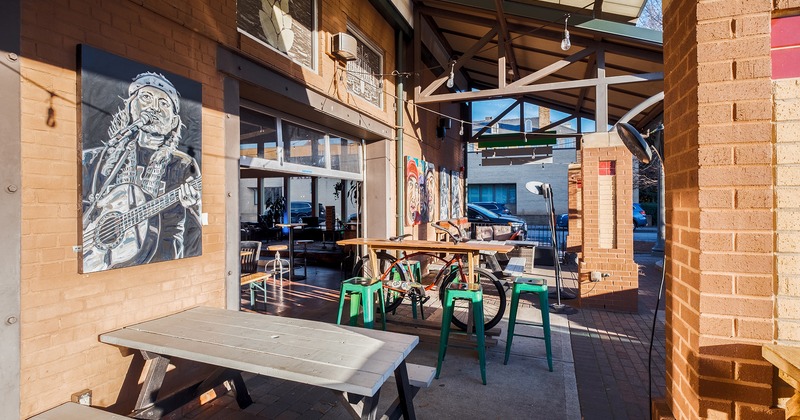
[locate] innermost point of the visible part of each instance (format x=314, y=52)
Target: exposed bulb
x=452, y=77
x=461, y=130
x=565, y=43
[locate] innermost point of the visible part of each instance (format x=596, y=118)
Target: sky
x=492, y=108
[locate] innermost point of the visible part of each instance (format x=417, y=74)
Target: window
x=258, y=135
x=303, y=145
x=344, y=154
x=364, y=73
x=288, y=26
x=500, y=193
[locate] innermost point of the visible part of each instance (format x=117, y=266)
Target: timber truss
x=613, y=72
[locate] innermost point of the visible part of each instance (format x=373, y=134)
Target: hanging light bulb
x=451, y=79
x=461, y=130
x=565, y=43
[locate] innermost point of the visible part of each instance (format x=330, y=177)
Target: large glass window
x=499, y=193
x=259, y=137
x=302, y=145
x=344, y=154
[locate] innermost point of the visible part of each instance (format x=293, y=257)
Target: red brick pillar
x=607, y=225
x=719, y=179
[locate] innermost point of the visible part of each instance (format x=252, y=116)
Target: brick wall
x=618, y=291
x=63, y=312
x=786, y=96
x=719, y=183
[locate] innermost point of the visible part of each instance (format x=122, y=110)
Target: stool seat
x=362, y=291
x=530, y=285
x=474, y=293
x=277, y=248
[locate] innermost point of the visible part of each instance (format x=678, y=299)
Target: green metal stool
x=473, y=293
x=362, y=291
x=530, y=285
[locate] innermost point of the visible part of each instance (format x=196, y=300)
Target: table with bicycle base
x=471, y=249
x=471, y=273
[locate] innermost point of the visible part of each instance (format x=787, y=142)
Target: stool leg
x=355, y=301
x=546, y=327
x=383, y=306
x=252, y=296
x=512, y=320
x=305, y=260
x=446, y=318
x=342, y=295
x=413, y=305
x=477, y=309
x=368, y=303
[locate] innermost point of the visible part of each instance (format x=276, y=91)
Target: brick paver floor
x=611, y=353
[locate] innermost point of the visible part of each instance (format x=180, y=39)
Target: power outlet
x=82, y=397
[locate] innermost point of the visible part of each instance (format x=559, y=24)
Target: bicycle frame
x=402, y=264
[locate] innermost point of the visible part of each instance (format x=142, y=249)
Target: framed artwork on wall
x=140, y=145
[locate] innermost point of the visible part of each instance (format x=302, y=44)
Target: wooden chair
x=249, y=252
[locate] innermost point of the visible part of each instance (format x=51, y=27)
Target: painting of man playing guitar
x=141, y=187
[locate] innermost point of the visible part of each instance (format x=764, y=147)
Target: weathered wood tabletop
x=342, y=358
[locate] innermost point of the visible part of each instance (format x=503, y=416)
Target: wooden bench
x=419, y=376
x=253, y=277
x=75, y=411
x=515, y=267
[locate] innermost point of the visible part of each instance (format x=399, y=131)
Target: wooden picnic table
x=471, y=249
x=355, y=362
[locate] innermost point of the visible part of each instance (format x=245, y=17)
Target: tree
x=652, y=16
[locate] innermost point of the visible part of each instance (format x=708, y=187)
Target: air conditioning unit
x=344, y=46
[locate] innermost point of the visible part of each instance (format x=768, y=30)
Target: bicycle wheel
x=363, y=267
x=494, y=300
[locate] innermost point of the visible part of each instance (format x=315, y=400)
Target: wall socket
x=82, y=397
x=598, y=276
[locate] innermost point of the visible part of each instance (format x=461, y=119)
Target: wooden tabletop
x=290, y=225
x=342, y=358
x=430, y=246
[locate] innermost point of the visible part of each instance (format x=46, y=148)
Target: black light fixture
x=441, y=128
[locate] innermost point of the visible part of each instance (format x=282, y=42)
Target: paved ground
x=600, y=363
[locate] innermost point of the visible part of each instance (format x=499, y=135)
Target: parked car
x=300, y=209
x=494, y=206
x=639, y=217
x=478, y=214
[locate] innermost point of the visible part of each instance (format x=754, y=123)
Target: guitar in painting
x=124, y=227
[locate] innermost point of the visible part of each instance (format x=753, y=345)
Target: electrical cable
x=652, y=336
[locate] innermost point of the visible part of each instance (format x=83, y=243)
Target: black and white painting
x=141, y=147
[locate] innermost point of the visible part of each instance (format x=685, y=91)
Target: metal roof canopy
x=512, y=49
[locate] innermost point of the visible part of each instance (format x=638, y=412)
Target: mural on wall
x=420, y=191
x=444, y=193
x=141, y=146
x=456, y=194
x=285, y=25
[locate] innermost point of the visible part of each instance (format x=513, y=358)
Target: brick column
x=575, y=205
x=719, y=200
x=607, y=225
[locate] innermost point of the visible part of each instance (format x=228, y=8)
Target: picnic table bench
x=353, y=362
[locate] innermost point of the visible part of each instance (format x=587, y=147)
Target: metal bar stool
x=277, y=267
x=530, y=285
x=362, y=291
x=473, y=293
x=305, y=243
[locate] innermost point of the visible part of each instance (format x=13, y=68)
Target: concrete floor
x=600, y=361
